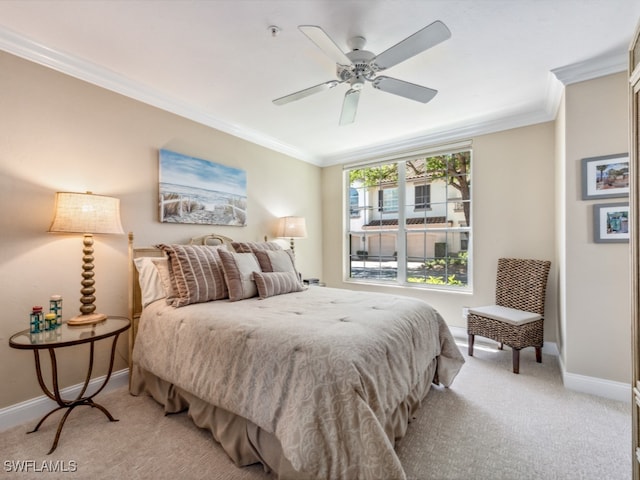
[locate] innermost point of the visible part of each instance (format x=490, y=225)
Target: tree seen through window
x=423, y=241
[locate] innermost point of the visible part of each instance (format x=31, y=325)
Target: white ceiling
x=217, y=62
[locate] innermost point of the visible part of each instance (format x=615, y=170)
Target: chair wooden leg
x=538, y=354
x=471, y=339
x=516, y=360
x=501, y=346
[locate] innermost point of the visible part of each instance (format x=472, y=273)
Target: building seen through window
x=409, y=221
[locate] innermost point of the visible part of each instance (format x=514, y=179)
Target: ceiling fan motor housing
x=360, y=70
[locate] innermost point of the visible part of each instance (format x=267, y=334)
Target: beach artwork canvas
x=197, y=191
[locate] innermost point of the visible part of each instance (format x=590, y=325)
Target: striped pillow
x=276, y=260
x=252, y=247
x=238, y=268
x=276, y=283
x=196, y=273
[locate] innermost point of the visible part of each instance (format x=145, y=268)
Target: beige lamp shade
x=292, y=227
x=86, y=213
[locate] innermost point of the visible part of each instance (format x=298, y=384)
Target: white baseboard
x=596, y=386
x=550, y=348
x=572, y=381
x=460, y=335
x=37, y=407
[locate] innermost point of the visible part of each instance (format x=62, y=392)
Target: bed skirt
x=243, y=441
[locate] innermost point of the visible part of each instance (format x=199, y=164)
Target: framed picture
x=605, y=177
x=198, y=191
x=611, y=223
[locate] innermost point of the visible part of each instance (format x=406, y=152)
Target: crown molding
x=600, y=66
x=453, y=133
x=615, y=61
x=553, y=96
x=20, y=46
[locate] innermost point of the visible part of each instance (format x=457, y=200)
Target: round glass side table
x=66, y=336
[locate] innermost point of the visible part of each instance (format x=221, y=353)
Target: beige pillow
x=252, y=247
x=196, y=273
x=270, y=284
x=276, y=260
x=238, y=268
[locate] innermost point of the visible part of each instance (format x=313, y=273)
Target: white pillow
x=151, y=286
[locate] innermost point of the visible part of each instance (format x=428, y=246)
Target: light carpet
x=491, y=424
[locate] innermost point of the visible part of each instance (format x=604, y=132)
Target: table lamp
x=87, y=214
x=292, y=227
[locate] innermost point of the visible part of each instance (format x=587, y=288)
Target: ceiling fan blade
x=349, y=106
x=318, y=36
x=404, y=89
x=306, y=92
x=420, y=41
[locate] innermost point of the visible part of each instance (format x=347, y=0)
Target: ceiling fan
x=360, y=66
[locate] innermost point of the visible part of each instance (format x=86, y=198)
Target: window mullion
x=403, y=223
x=401, y=241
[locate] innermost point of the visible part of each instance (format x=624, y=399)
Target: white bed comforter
x=321, y=369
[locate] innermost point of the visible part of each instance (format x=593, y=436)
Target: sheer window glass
x=414, y=226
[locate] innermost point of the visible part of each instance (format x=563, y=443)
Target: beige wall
x=527, y=201
x=60, y=134
x=596, y=297
x=513, y=215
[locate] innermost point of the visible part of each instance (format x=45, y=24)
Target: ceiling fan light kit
x=360, y=66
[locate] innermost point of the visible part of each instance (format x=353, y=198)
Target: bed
x=313, y=383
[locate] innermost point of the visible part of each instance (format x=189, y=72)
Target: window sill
x=468, y=290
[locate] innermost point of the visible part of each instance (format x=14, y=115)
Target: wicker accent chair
x=517, y=318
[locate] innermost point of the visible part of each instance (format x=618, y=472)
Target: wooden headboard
x=135, y=295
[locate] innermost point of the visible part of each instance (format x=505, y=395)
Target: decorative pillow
x=276, y=260
x=162, y=265
x=270, y=284
x=238, y=268
x=151, y=287
x=196, y=273
x=253, y=247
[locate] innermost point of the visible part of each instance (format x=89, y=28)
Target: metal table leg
x=80, y=399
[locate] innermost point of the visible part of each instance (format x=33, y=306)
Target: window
x=412, y=221
x=422, y=197
x=353, y=202
x=388, y=200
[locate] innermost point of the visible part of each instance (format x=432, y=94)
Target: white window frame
x=402, y=232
